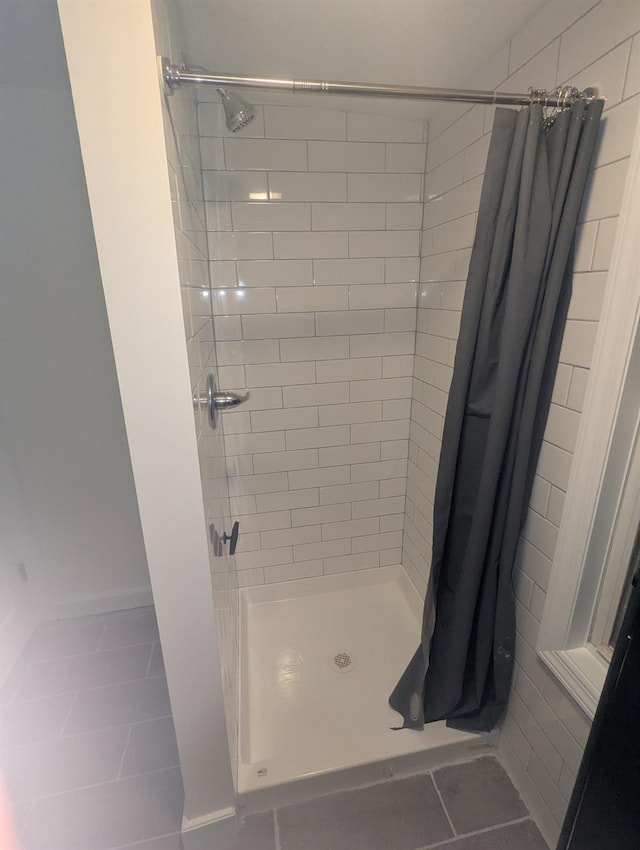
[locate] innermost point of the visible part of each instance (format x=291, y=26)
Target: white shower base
x=307, y=721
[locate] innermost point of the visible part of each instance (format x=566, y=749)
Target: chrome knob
x=213, y=401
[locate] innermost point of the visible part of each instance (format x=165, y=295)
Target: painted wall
x=77, y=528
x=111, y=54
x=581, y=43
x=313, y=220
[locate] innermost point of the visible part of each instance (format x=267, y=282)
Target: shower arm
x=174, y=75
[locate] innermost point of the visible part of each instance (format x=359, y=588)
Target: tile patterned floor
x=89, y=757
x=87, y=746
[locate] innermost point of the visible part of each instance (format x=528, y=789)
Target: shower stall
x=322, y=252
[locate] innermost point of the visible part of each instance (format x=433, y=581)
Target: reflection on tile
x=478, y=794
x=129, y=702
x=405, y=814
x=109, y=815
x=85, y=671
x=151, y=746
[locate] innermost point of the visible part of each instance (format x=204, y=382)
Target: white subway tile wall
x=588, y=43
x=314, y=227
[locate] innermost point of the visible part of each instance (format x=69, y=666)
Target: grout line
x=455, y=841
x=442, y=803
x=124, y=752
x=66, y=720
x=276, y=830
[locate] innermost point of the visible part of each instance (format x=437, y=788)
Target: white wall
x=116, y=91
x=582, y=43
x=77, y=528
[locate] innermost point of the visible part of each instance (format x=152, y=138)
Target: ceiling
x=408, y=42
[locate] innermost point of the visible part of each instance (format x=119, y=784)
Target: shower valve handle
x=233, y=537
x=227, y=399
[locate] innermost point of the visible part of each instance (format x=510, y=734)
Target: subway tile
x=632, y=84
x=271, y=216
x=578, y=342
x=322, y=477
x=392, y=522
x=338, y=323
x=274, y=272
x=284, y=461
x=376, y=542
x=249, y=485
x=378, y=507
x=325, y=549
x=391, y=557
x=386, y=388
x=310, y=245
x=218, y=215
x=248, y=351
x=293, y=186
x=346, y=156
x=369, y=297
x=304, y=438
x=264, y=521
x=338, y=455
x=287, y=499
x=316, y=516
x=250, y=578
x=240, y=444
x=295, y=122
x=290, y=536
x=223, y=273
x=277, y=326
x=401, y=270
x=331, y=272
x=348, y=216
x=378, y=128
x=541, y=533
x=587, y=296
x=585, y=244
x=384, y=187
x=396, y=321
x=603, y=249
x=263, y=558
x=240, y=246
x=392, y=449
x=349, y=493
x=606, y=25
x=265, y=155
x=314, y=348
x=379, y=431
x=278, y=420
x=381, y=469
x=371, y=345
x=310, y=394
x=350, y=528
x=236, y=186
x=346, y=563
x=227, y=328
x=603, y=195
x=617, y=131
x=303, y=298
x=292, y=572
x=577, y=388
x=212, y=153
x=280, y=374
x=346, y=414
x=403, y=216
x=405, y=157
x=243, y=301
x=400, y=366
x=349, y=370
x=387, y=243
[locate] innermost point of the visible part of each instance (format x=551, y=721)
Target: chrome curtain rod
x=175, y=75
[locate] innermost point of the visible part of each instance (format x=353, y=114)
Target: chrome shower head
x=238, y=112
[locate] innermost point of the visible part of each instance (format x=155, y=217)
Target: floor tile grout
x=124, y=752
x=442, y=803
x=465, y=835
x=84, y=690
x=276, y=830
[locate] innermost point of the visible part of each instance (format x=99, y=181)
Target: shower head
x=238, y=112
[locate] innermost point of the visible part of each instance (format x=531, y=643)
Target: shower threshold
x=319, y=658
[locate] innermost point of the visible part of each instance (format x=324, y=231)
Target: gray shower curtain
x=513, y=317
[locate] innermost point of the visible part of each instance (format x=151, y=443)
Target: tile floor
x=89, y=758
x=87, y=746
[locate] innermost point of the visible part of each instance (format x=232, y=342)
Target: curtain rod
x=174, y=75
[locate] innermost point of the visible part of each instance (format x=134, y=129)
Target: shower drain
x=342, y=662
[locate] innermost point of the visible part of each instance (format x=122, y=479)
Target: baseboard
x=213, y=830
x=136, y=597
x=538, y=809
